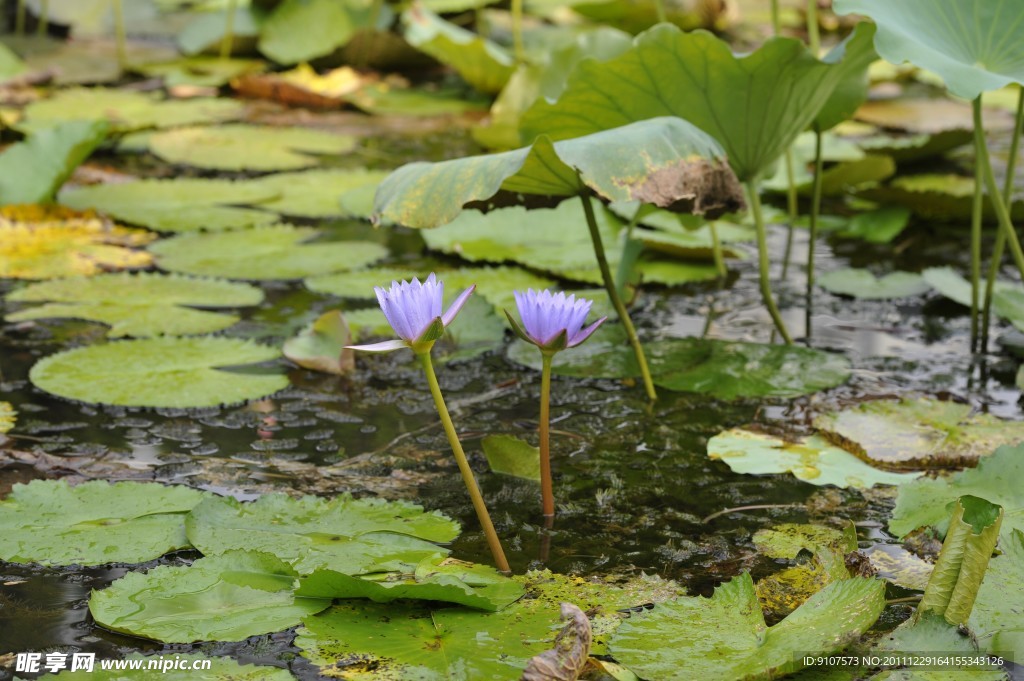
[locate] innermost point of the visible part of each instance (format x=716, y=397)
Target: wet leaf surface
x=32, y=171
x=864, y=284
x=510, y=455
x=998, y=615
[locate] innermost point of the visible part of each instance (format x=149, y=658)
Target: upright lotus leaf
x=754, y=105
x=126, y=110
x=664, y=161
x=973, y=46
x=180, y=204
x=351, y=536
x=450, y=581
x=481, y=63
x=247, y=147
x=725, y=637
x=998, y=616
x=970, y=541
x=925, y=502
x=228, y=597
x=42, y=242
x=850, y=92
x=918, y=433
x=32, y=171
x=159, y=372
x=301, y=30
x=273, y=252
x=219, y=669
x=140, y=305
x=414, y=640
x=49, y=522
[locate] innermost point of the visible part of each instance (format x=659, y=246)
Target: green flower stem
x=813, y=36
x=517, y=31
x=613, y=294
x=813, y=237
x=762, y=256
x=227, y=44
x=659, y=9
x=1002, y=212
x=547, y=493
x=1000, y=245
x=44, y=18
x=120, y=35
x=716, y=250
x=976, y=209
x=19, y=19
x=460, y=457
x=776, y=25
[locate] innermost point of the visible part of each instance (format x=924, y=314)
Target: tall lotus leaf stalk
x=517, y=31
x=763, y=264
x=120, y=35
x=613, y=294
x=19, y=19
x=1000, y=244
x=977, y=205
x=414, y=311
x=813, y=35
x=812, y=239
x=552, y=322
x=44, y=18
x=228, y=42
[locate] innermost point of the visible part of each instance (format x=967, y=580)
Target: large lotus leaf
x=228, y=597
x=695, y=76
x=812, y=459
x=998, y=615
x=725, y=637
x=127, y=110
x=918, y=433
x=495, y=284
x=352, y=536
x=723, y=369
x=32, y=171
x=665, y=161
x=925, y=502
x=220, y=669
x=481, y=63
x=44, y=242
x=315, y=193
x=247, y=147
x=862, y=284
x=973, y=46
x=942, y=197
x=7, y=417
x=450, y=581
x=850, y=92
x=159, y=372
x=138, y=305
x=275, y=252
x=301, y=30
x=178, y=205
x=414, y=641
x=48, y=522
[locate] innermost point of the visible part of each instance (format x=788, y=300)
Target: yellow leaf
x=7, y=415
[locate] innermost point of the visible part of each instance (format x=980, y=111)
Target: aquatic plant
x=552, y=322
x=413, y=309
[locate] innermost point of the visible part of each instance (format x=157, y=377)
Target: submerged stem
x=813, y=237
x=460, y=457
x=227, y=44
x=762, y=257
x=613, y=294
x=546, y=488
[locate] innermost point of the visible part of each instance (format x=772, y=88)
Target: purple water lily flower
x=413, y=309
x=552, y=321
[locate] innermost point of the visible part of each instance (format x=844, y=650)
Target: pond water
x=633, y=481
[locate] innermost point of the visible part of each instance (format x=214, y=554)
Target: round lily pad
x=316, y=193
x=275, y=252
x=865, y=285
x=159, y=372
x=219, y=669
x=247, y=147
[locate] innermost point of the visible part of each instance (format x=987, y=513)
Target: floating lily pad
x=918, y=433
x=201, y=71
x=32, y=171
x=274, y=252
x=8, y=417
x=127, y=110
x=45, y=242
x=352, y=536
x=782, y=592
x=321, y=346
x=509, y=455
x=998, y=615
x=725, y=637
x=877, y=226
x=449, y=581
x=413, y=640
x=228, y=597
x=907, y=148
x=811, y=459
x=178, y=205
x=924, y=502
x=837, y=179
x=1007, y=298
x=139, y=305
x=789, y=539
x=942, y=197
x=481, y=63
x=315, y=193
x=865, y=285
x=895, y=564
x=158, y=372
x=722, y=369
x=247, y=147
x=219, y=669
x=387, y=99
x=301, y=30
x=48, y=522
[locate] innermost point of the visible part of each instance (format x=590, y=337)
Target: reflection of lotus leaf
x=895, y=564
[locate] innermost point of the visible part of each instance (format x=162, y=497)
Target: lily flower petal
x=383, y=346
x=455, y=307
x=584, y=334
x=553, y=321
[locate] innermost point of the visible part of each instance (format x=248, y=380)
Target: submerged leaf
x=511, y=456
x=139, y=305
x=158, y=372
x=97, y=522
x=32, y=171
x=228, y=597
